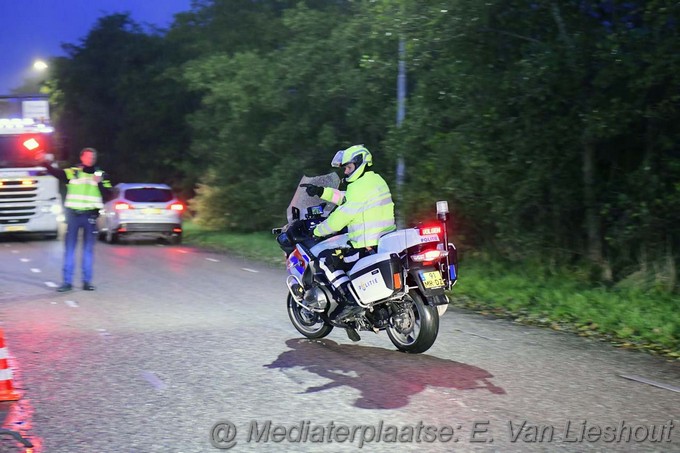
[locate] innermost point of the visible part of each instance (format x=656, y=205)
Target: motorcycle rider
x=366, y=209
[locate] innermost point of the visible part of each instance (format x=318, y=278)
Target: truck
x=30, y=198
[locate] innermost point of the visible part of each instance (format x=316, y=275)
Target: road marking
x=672, y=388
x=24, y=260
x=51, y=284
x=71, y=303
x=35, y=270
x=53, y=303
x=103, y=333
x=478, y=335
x=154, y=380
x=250, y=270
x=213, y=260
x=15, y=251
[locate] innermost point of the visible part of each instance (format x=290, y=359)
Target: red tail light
x=432, y=229
x=429, y=256
x=176, y=207
x=122, y=206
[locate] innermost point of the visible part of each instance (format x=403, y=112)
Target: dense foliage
x=549, y=126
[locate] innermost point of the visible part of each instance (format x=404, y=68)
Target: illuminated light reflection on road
x=17, y=416
x=154, y=380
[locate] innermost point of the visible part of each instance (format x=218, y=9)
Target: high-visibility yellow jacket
x=367, y=211
x=82, y=191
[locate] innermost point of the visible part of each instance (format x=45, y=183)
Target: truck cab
x=30, y=200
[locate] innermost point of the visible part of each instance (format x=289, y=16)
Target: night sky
x=33, y=29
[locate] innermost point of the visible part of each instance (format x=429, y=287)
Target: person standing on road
x=85, y=187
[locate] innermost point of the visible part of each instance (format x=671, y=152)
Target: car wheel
x=176, y=240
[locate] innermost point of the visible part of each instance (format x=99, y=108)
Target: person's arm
x=338, y=219
x=48, y=162
x=104, y=184
x=334, y=196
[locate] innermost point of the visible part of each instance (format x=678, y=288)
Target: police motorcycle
x=401, y=287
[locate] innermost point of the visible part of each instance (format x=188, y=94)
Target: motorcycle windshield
x=302, y=201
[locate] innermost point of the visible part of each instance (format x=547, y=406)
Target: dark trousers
x=77, y=221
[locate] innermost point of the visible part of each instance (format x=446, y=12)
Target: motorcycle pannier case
x=373, y=277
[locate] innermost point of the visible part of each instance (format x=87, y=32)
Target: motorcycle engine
x=379, y=317
x=316, y=299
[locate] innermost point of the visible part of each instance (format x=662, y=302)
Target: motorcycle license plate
x=432, y=279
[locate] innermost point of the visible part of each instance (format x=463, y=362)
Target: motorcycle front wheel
x=307, y=322
x=413, y=328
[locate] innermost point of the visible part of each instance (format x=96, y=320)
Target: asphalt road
x=179, y=345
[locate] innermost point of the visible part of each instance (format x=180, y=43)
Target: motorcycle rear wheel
x=416, y=328
x=306, y=322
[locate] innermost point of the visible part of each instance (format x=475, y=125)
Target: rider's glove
x=312, y=190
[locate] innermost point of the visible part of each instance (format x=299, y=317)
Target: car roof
x=141, y=185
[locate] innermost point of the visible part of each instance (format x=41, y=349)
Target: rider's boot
x=352, y=334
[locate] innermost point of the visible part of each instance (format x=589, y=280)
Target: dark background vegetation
x=551, y=127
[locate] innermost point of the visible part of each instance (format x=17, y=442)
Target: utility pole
x=401, y=112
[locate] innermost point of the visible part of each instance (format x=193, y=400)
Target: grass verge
x=560, y=300
x=259, y=246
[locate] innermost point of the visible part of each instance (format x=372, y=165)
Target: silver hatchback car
x=141, y=209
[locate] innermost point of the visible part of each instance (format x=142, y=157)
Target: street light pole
x=401, y=113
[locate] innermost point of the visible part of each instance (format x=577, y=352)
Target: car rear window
x=149, y=195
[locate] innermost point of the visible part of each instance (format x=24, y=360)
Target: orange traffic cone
x=7, y=392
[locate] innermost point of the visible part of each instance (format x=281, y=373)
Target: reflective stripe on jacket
x=335, y=196
x=368, y=211
x=82, y=191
